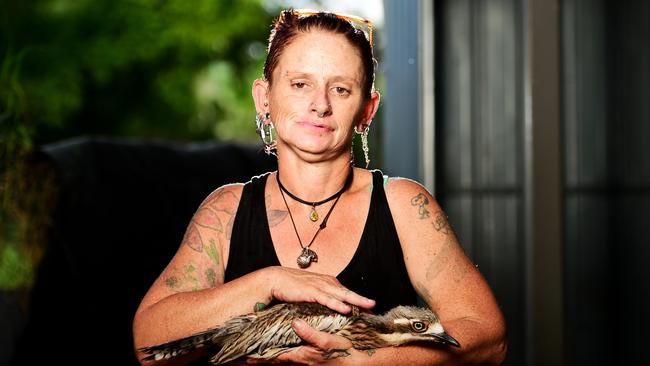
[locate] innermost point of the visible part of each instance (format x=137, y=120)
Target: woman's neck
x=313, y=181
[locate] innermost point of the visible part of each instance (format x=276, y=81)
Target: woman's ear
x=260, y=96
x=369, y=111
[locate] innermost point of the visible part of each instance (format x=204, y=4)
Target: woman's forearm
x=186, y=313
x=479, y=346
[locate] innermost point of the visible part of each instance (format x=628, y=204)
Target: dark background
x=117, y=119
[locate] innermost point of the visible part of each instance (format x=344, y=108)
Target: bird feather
x=268, y=333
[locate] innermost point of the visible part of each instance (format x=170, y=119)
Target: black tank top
x=376, y=270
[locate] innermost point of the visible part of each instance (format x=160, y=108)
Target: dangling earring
x=364, y=144
x=266, y=132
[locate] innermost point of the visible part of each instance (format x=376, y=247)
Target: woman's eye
x=341, y=90
x=299, y=85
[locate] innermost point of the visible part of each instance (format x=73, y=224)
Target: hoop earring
x=266, y=132
x=364, y=144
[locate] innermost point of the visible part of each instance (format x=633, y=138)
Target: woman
x=319, y=229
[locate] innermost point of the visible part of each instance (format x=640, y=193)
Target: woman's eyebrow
x=307, y=75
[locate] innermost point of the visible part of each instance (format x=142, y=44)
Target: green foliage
x=16, y=271
x=171, y=69
x=174, y=69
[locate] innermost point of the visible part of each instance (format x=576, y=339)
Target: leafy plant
x=172, y=69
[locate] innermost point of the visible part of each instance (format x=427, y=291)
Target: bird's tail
x=213, y=339
x=182, y=346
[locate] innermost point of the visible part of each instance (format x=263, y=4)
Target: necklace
x=306, y=254
x=313, y=215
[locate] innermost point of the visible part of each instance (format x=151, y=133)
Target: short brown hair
x=289, y=23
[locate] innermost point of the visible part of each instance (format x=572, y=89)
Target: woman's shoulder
x=225, y=198
x=400, y=186
x=404, y=193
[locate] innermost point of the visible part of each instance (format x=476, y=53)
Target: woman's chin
x=315, y=154
x=313, y=146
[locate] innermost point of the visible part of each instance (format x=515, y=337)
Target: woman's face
x=316, y=96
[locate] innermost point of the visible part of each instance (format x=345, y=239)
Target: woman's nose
x=321, y=104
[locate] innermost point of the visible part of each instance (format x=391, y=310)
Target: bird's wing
x=272, y=334
x=271, y=330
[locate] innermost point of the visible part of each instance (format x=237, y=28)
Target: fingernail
x=297, y=323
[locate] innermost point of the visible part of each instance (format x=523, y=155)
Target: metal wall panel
x=628, y=159
x=400, y=133
x=479, y=143
x=606, y=67
x=585, y=170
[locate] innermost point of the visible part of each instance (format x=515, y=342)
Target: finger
x=333, y=303
x=306, y=332
x=341, y=299
x=344, y=294
x=353, y=298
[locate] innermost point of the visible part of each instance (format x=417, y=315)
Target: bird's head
x=409, y=324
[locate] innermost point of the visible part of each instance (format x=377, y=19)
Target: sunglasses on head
x=353, y=19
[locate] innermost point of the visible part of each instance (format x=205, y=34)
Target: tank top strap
x=251, y=246
x=377, y=269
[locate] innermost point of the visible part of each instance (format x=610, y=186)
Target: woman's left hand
x=322, y=348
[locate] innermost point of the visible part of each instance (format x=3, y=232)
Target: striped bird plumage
x=268, y=333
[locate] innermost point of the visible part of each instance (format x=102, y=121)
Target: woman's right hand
x=295, y=285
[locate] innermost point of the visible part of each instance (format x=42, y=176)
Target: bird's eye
x=418, y=326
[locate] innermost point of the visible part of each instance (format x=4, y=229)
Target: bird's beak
x=446, y=339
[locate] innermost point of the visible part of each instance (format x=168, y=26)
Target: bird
x=268, y=333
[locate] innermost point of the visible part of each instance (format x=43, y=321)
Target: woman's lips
x=319, y=127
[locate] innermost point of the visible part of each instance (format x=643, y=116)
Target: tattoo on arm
x=447, y=258
x=183, y=280
x=207, y=218
x=211, y=277
x=193, y=238
x=224, y=201
x=192, y=278
x=204, y=235
x=441, y=224
x=171, y=282
x=371, y=351
x=229, y=227
x=259, y=306
x=420, y=201
x=212, y=252
x=440, y=260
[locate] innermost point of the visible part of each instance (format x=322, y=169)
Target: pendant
x=306, y=257
x=313, y=215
